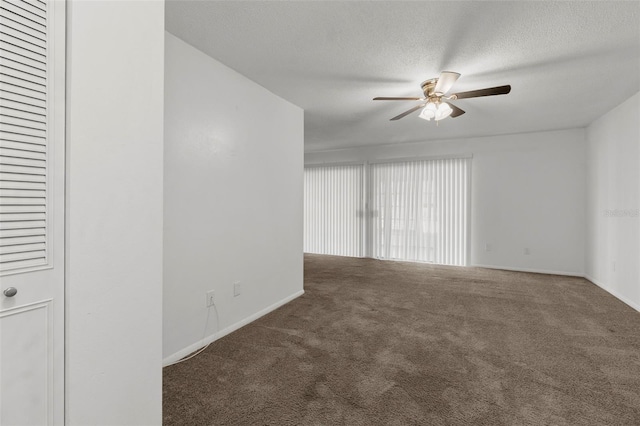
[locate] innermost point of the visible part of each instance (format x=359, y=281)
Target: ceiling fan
x=435, y=103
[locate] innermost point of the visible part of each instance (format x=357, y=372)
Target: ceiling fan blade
x=500, y=90
x=456, y=111
x=445, y=81
x=415, y=108
x=382, y=98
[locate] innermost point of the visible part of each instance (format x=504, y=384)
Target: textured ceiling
x=567, y=62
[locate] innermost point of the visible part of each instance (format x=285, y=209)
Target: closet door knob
x=10, y=292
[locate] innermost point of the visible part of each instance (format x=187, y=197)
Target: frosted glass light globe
x=428, y=112
x=443, y=111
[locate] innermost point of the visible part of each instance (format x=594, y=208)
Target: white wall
x=114, y=212
x=613, y=242
x=232, y=200
x=528, y=191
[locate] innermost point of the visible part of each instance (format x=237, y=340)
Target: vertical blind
x=23, y=133
x=419, y=210
x=333, y=210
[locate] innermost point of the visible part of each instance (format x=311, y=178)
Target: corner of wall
x=612, y=248
x=113, y=279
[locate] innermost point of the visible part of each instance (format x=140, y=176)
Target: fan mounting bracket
x=428, y=87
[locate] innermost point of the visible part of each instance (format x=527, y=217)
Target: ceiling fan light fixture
x=435, y=103
x=443, y=111
x=428, y=112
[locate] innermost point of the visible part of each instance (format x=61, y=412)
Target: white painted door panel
x=26, y=342
x=32, y=130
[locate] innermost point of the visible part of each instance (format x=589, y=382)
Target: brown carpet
x=391, y=343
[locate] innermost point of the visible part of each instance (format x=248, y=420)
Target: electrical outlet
x=527, y=251
x=237, y=289
x=487, y=247
x=211, y=298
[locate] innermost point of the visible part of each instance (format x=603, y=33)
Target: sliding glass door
x=420, y=210
x=333, y=210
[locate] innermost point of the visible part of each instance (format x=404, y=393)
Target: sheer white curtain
x=333, y=210
x=420, y=210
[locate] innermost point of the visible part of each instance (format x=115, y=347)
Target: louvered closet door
x=31, y=212
x=23, y=135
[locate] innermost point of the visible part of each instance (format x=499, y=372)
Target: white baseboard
x=535, y=271
x=614, y=293
x=212, y=338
